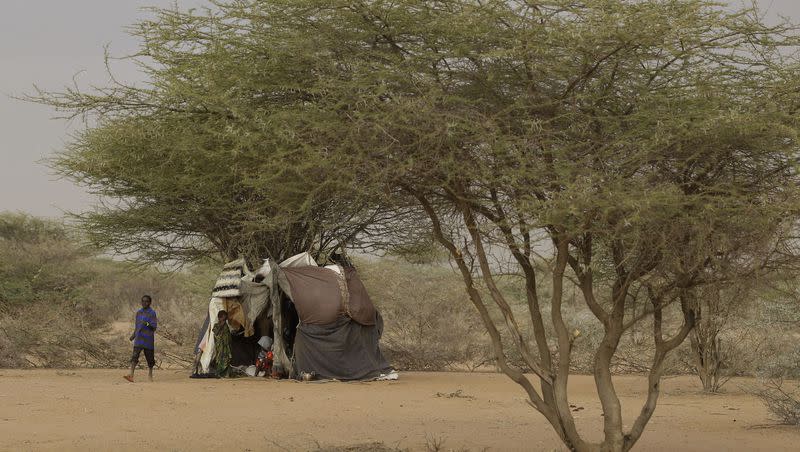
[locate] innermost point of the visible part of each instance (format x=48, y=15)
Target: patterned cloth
x=229, y=281
x=146, y=323
x=222, y=349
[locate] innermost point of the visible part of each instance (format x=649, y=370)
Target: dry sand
x=98, y=410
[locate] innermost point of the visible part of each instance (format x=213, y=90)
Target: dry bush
x=434, y=443
x=782, y=361
x=62, y=338
x=780, y=400
x=429, y=324
x=776, y=325
x=48, y=335
x=180, y=300
x=60, y=306
x=45, y=317
x=739, y=350
x=376, y=446
x=57, y=334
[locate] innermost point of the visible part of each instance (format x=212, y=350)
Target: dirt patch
x=98, y=410
x=376, y=446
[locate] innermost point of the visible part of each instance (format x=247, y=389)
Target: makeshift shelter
x=321, y=320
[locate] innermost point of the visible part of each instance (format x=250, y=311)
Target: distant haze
x=48, y=42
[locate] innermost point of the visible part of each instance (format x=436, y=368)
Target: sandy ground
x=98, y=410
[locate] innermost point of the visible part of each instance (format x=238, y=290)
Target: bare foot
x=128, y=377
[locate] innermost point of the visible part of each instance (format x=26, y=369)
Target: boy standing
x=143, y=337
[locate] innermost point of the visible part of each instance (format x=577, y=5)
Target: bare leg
x=129, y=377
x=150, y=373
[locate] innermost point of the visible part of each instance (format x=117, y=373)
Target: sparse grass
x=434, y=443
x=377, y=446
x=458, y=394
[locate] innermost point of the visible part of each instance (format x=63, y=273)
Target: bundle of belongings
x=296, y=319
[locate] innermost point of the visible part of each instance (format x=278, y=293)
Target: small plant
x=459, y=394
x=434, y=443
x=784, y=403
x=377, y=446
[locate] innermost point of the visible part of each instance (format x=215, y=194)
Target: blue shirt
x=145, y=335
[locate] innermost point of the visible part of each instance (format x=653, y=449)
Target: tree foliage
x=210, y=156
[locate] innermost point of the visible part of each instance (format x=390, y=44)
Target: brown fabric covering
x=236, y=317
x=361, y=308
x=315, y=294
x=342, y=350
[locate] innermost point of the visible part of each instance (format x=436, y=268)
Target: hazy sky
x=47, y=42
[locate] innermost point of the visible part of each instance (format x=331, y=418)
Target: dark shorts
x=148, y=355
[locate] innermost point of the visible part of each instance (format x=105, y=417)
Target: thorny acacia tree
x=647, y=147
x=643, y=145
x=207, y=159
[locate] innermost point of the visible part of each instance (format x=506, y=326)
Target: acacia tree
x=207, y=158
x=643, y=146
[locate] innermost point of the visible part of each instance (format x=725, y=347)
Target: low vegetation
x=425, y=329
x=64, y=305
x=782, y=400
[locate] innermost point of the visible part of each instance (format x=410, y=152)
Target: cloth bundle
x=229, y=280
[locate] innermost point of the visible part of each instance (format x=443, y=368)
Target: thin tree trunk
x=612, y=409
x=663, y=348
x=531, y=295
x=497, y=296
x=564, y=348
